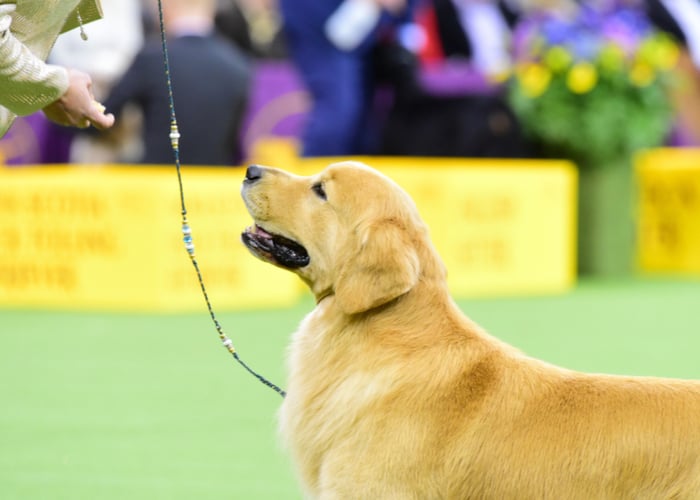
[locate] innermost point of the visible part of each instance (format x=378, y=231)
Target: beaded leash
x=186, y=230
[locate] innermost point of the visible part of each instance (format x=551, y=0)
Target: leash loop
x=186, y=230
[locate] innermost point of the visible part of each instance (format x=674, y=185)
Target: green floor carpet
x=116, y=406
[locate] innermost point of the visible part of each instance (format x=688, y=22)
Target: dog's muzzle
x=270, y=247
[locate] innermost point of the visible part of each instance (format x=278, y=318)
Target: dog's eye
x=319, y=191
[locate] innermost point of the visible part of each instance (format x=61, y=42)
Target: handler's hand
x=77, y=107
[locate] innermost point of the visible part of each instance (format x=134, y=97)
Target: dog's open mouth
x=275, y=248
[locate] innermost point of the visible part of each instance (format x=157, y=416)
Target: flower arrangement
x=593, y=85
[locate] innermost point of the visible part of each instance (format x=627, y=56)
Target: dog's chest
x=330, y=380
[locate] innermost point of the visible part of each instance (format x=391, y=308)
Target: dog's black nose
x=253, y=173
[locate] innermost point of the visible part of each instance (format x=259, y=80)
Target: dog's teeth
x=261, y=232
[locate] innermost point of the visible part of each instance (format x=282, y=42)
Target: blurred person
x=463, y=116
x=253, y=25
x=332, y=44
x=28, y=29
x=210, y=79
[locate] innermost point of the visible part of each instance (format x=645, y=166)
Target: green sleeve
x=27, y=84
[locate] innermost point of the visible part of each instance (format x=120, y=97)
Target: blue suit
x=340, y=82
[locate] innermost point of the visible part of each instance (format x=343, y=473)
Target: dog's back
x=408, y=403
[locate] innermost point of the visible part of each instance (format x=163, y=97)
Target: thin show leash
x=186, y=230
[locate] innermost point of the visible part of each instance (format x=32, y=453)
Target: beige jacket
x=28, y=30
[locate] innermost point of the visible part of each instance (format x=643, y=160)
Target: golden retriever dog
x=393, y=393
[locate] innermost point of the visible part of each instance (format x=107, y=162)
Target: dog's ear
x=384, y=267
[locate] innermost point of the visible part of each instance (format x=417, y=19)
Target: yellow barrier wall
x=669, y=210
x=109, y=238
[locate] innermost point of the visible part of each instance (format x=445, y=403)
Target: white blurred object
x=488, y=33
x=112, y=43
x=351, y=23
x=413, y=37
x=687, y=15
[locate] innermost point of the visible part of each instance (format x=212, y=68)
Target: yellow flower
x=641, y=74
x=534, y=79
x=659, y=51
x=582, y=78
x=558, y=58
x=612, y=58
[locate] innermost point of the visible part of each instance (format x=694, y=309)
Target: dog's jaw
x=274, y=248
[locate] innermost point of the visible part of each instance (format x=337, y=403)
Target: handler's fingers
x=99, y=118
x=103, y=121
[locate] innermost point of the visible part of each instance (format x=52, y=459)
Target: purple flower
x=556, y=31
x=585, y=46
x=596, y=23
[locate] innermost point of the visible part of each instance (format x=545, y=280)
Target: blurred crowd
x=386, y=77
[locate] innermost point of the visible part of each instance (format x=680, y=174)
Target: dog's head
x=348, y=231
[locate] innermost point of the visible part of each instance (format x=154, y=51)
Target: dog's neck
x=323, y=295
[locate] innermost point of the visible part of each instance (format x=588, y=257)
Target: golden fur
x=394, y=394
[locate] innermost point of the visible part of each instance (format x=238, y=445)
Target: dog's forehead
x=351, y=172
